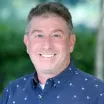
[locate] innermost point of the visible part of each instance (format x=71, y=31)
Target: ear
x=72, y=42
x=26, y=41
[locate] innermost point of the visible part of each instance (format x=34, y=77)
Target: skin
x=49, y=45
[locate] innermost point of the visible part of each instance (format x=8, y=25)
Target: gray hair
x=51, y=8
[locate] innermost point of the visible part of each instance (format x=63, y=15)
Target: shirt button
x=40, y=97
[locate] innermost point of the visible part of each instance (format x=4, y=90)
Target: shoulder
x=88, y=77
x=94, y=85
x=85, y=78
x=22, y=80
x=90, y=82
x=19, y=84
x=16, y=87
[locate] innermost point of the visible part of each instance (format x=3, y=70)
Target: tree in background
x=99, y=72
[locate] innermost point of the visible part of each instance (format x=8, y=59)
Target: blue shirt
x=72, y=86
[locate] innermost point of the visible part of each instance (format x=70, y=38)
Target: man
x=49, y=40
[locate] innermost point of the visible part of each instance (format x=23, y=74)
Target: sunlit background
x=88, y=20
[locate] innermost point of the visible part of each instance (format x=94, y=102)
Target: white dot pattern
x=76, y=72
x=73, y=89
x=17, y=86
x=7, y=90
x=58, y=82
x=14, y=102
x=24, y=79
x=86, y=79
x=9, y=96
x=25, y=98
x=71, y=84
x=74, y=96
x=58, y=97
x=101, y=94
x=83, y=88
x=23, y=89
x=54, y=85
x=70, y=69
x=88, y=97
x=96, y=86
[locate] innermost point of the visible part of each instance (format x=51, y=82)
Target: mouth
x=47, y=56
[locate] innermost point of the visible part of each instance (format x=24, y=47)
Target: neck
x=42, y=77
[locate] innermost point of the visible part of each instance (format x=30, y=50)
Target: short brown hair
x=52, y=7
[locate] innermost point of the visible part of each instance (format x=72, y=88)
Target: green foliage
x=84, y=51
x=15, y=63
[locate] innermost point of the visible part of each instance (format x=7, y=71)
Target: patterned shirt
x=72, y=86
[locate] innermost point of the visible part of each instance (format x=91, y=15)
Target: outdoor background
x=88, y=27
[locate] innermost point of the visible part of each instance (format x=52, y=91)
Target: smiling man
x=49, y=40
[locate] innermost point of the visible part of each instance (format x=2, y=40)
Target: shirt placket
x=42, y=94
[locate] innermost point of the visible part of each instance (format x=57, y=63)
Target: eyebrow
x=36, y=31
x=58, y=30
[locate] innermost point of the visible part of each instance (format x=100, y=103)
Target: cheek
x=63, y=46
x=32, y=46
x=34, y=42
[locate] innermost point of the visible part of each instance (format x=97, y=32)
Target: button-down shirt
x=72, y=86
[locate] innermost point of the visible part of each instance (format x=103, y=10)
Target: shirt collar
x=61, y=78
x=66, y=75
x=35, y=79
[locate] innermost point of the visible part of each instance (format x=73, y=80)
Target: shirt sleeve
x=100, y=98
x=5, y=96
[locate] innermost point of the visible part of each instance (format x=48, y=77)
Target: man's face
x=49, y=44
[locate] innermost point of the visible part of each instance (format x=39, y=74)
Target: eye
x=56, y=35
x=40, y=36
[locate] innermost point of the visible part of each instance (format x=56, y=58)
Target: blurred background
x=88, y=20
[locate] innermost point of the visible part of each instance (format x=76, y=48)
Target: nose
x=47, y=43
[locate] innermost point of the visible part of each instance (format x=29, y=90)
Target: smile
x=47, y=56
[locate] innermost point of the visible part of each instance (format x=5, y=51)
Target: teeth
x=47, y=55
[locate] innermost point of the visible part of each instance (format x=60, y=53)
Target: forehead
x=48, y=15
x=50, y=20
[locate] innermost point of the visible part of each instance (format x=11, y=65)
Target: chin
x=47, y=72
x=45, y=69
